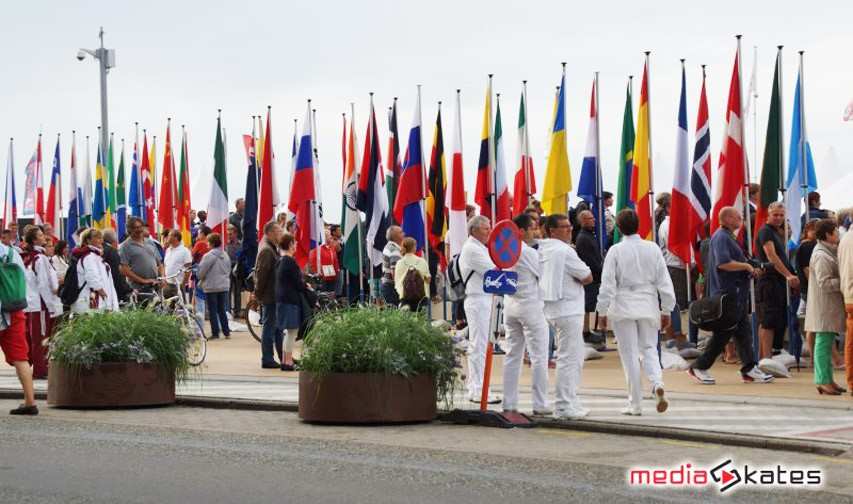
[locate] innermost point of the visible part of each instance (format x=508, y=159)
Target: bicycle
x=178, y=307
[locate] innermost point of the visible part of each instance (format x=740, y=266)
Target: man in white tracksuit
x=474, y=262
x=525, y=322
x=563, y=276
x=636, y=297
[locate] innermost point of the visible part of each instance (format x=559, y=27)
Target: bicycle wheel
x=197, y=350
x=255, y=322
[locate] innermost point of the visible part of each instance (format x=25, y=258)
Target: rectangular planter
x=109, y=385
x=362, y=398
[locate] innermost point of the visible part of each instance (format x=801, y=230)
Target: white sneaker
x=756, y=375
x=631, y=411
x=660, y=399
x=701, y=376
x=492, y=399
x=571, y=413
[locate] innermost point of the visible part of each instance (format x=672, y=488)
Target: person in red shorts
x=13, y=343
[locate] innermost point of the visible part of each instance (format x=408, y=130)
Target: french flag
x=408, y=206
x=680, y=217
x=302, y=193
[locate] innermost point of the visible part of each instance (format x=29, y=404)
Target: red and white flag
x=525, y=182
x=457, y=222
x=731, y=172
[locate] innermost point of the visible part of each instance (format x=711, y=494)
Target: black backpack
x=71, y=288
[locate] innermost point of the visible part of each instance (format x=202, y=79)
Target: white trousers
x=638, y=338
x=570, y=357
x=526, y=324
x=478, y=310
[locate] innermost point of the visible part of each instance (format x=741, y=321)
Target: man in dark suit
x=589, y=250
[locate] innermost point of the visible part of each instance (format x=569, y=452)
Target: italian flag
x=217, y=208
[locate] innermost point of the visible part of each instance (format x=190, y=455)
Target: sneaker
x=571, y=413
x=660, y=399
x=25, y=410
x=492, y=399
x=702, y=376
x=543, y=412
x=631, y=411
x=756, y=375
x=498, y=350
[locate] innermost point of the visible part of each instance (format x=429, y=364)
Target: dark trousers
x=389, y=294
x=236, y=296
x=270, y=335
x=216, y=302
x=742, y=335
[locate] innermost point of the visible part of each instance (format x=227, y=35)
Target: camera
x=81, y=55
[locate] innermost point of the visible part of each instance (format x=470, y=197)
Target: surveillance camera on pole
x=106, y=59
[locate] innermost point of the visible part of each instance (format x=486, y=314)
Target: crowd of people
x=573, y=286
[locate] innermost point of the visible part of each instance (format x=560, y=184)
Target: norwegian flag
x=700, y=174
x=732, y=170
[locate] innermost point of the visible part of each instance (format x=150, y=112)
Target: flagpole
x=804, y=162
x=314, y=213
x=651, y=194
x=599, y=227
x=494, y=197
x=525, y=153
x=688, y=265
x=371, y=133
x=562, y=83
x=357, y=213
x=755, y=104
x=781, y=167
x=425, y=192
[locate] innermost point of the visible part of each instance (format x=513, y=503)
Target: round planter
x=364, y=398
x=109, y=385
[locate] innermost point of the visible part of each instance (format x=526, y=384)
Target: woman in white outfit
x=95, y=280
x=43, y=304
x=636, y=297
x=525, y=323
x=563, y=276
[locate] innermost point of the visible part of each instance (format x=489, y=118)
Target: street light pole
x=106, y=60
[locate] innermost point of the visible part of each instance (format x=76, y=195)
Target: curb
x=676, y=433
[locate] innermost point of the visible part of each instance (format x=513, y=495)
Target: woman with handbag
x=289, y=286
x=825, y=314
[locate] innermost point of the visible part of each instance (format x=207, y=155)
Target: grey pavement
x=787, y=419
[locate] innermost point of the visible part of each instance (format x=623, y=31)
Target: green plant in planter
x=139, y=336
x=387, y=341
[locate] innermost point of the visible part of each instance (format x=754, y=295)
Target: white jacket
x=42, y=284
x=527, y=295
x=633, y=277
x=474, y=258
x=562, y=273
x=94, y=274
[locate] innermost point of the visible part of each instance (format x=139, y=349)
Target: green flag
x=217, y=207
x=121, y=206
x=111, y=180
x=626, y=161
x=771, y=169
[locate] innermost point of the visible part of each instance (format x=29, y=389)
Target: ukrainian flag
x=100, y=210
x=558, y=177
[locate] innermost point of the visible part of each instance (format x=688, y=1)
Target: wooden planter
x=362, y=398
x=109, y=385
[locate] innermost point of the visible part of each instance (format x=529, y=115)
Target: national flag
x=121, y=203
x=100, y=210
x=217, y=207
x=147, y=186
x=773, y=167
x=31, y=184
x=249, y=245
x=731, y=172
x=626, y=161
x=10, y=204
x=590, y=184
x=681, y=235
x=641, y=173
x=503, y=201
x=183, y=201
x=372, y=198
x=39, y=187
x=136, y=200
x=700, y=173
x=267, y=193
x=484, y=190
x=166, y=201
x=408, y=207
x=318, y=230
x=75, y=197
x=293, y=152
x=85, y=192
x=524, y=185
x=457, y=218
x=801, y=172
x=558, y=176
x=155, y=184
x=436, y=211
x=302, y=192
x=392, y=177
x=349, y=198
x=111, y=185
x=53, y=211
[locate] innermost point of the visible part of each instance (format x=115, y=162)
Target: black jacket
x=112, y=258
x=289, y=282
x=589, y=251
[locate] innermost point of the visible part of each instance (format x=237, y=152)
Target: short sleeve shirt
x=725, y=249
x=142, y=258
x=767, y=234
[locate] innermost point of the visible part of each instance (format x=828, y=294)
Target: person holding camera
x=729, y=273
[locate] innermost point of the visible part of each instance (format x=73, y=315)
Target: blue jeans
x=270, y=335
x=218, y=318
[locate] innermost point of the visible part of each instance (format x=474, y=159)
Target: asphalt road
x=188, y=455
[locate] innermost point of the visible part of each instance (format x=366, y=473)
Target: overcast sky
x=187, y=59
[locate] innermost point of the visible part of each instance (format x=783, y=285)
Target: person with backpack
x=43, y=304
x=93, y=281
x=474, y=262
x=411, y=276
x=13, y=325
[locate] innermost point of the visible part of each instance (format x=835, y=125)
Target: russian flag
x=408, y=206
x=302, y=192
